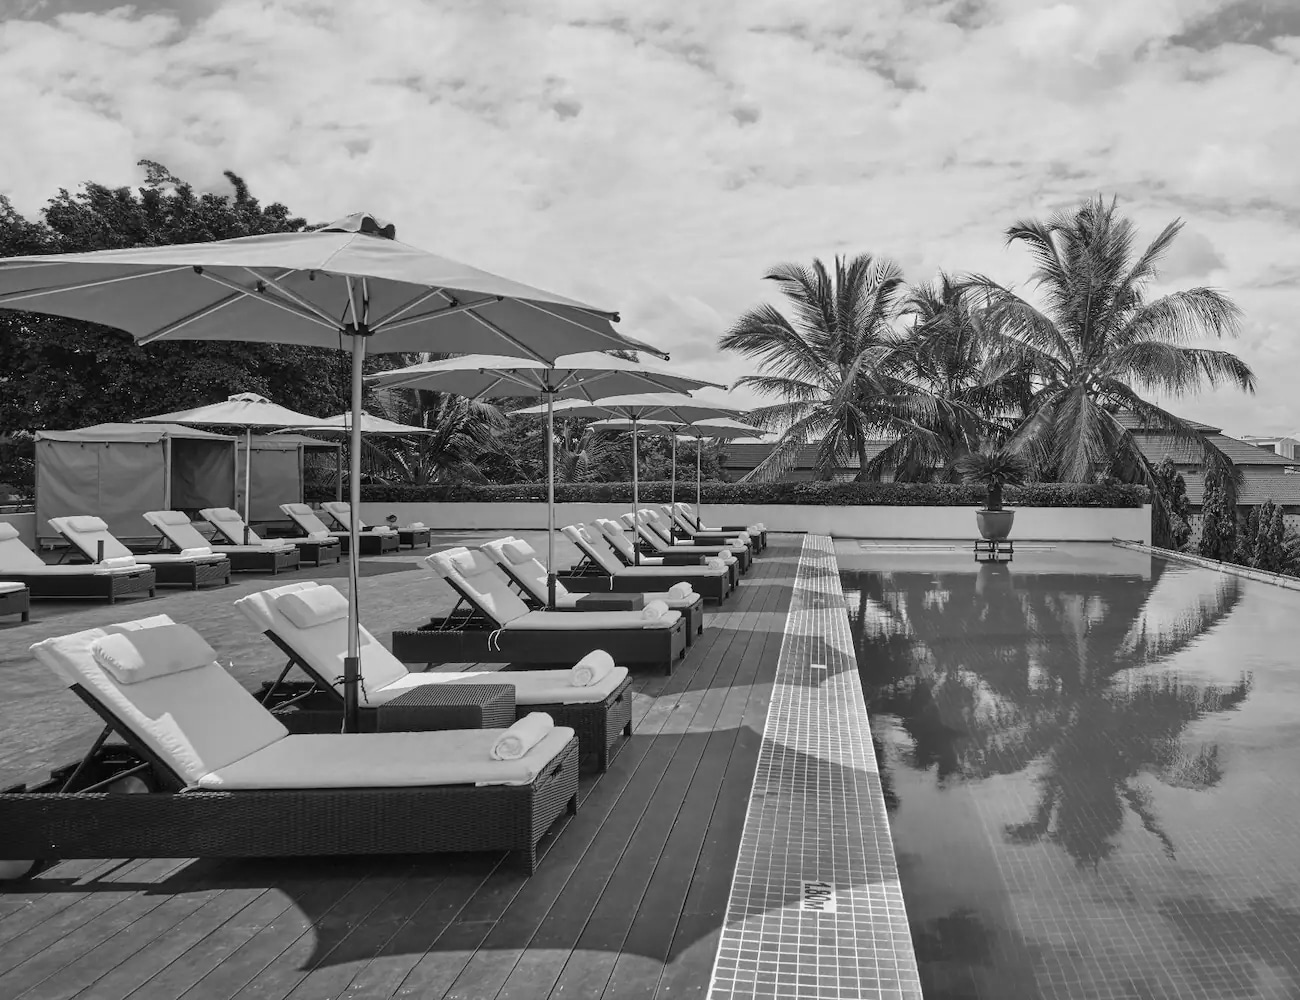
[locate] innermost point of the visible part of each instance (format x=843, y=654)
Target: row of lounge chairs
x=226, y=777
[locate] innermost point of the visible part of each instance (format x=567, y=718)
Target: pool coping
x=1231, y=569
x=816, y=906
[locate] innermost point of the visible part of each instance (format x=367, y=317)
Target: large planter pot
x=994, y=525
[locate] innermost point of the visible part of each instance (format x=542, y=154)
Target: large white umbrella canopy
x=583, y=377
x=341, y=423
x=350, y=285
x=246, y=410
x=637, y=408
x=716, y=429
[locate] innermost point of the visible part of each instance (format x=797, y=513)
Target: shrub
x=808, y=494
x=1218, y=524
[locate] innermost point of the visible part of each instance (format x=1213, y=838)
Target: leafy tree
x=1218, y=522
x=60, y=373
x=461, y=445
x=947, y=353
x=1270, y=539
x=1247, y=549
x=1172, y=490
x=1099, y=343
x=830, y=364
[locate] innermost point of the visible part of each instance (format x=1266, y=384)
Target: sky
x=658, y=156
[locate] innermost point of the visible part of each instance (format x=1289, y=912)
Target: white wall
x=1058, y=524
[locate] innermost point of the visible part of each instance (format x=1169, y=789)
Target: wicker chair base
x=92, y=586
x=194, y=575
x=317, y=552
x=268, y=561
x=371, y=544
x=524, y=648
x=16, y=602
x=415, y=538
x=291, y=823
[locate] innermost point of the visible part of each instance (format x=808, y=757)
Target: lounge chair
x=518, y=560
x=602, y=570
x=413, y=535
x=490, y=622
x=15, y=599
x=175, y=527
x=600, y=713
x=191, y=568
x=227, y=523
x=677, y=529
x=615, y=536
x=658, y=542
x=233, y=782
x=689, y=517
x=375, y=542
x=20, y=564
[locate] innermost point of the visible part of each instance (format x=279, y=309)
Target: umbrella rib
x=386, y=325
x=298, y=300
x=208, y=310
x=419, y=300
x=472, y=314
x=82, y=285
x=250, y=293
x=613, y=338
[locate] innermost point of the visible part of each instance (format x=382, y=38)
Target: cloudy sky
x=656, y=156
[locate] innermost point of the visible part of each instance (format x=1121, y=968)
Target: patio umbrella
x=341, y=423
x=350, y=285
x=580, y=378
x=246, y=410
x=636, y=408
x=718, y=429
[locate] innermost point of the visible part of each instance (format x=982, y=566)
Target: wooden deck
x=628, y=899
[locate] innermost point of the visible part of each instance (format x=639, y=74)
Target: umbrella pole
x=248, y=465
x=699, y=446
x=636, y=535
x=550, y=500
x=352, y=663
x=672, y=489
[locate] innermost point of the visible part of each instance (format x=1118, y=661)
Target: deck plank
x=627, y=901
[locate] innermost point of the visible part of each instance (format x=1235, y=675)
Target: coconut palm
x=464, y=434
x=948, y=352
x=1098, y=343
x=829, y=363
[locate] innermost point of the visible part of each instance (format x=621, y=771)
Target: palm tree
x=948, y=353
x=1098, y=343
x=829, y=363
x=464, y=434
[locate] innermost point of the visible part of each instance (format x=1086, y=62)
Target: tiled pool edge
x=816, y=815
x=1231, y=569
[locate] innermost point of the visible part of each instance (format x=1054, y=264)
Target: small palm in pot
x=993, y=469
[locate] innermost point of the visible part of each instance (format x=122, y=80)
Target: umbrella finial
x=363, y=222
x=246, y=397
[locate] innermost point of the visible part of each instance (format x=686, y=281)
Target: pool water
x=1091, y=761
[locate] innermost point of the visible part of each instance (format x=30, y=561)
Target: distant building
x=1278, y=445
x=740, y=458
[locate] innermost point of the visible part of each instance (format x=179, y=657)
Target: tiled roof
x=1129, y=420
x=743, y=457
x=1255, y=488
x=1156, y=446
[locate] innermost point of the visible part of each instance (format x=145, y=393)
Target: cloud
x=658, y=158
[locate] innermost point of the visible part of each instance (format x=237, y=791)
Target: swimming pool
x=1091, y=760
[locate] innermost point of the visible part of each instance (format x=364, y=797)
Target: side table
x=448, y=706
x=610, y=602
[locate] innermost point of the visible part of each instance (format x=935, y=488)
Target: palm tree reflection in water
x=994, y=673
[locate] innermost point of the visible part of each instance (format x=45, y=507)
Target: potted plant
x=993, y=469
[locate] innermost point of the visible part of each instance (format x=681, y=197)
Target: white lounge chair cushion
x=386, y=760
x=8, y=587
x=86, y=524
x=319, y=536
x=481, y=580
x=196, y=551
x=176, y=517
x=532, y=687
x=138, y=655
x=575, y=621
x=324, y=647
x=120, y=562
x=7, y=531
x=314, y=606
x=651, y=568
x=518, y=552
x=157, y=558
x=199, y=720
x=297, y=508
x=674, y=601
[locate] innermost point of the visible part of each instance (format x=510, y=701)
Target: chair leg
x=526, y=858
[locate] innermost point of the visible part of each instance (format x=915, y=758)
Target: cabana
x=282, y=465
x=116, y=472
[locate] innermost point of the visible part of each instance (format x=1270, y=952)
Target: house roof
x=1131, y=421
x=1157, y=446
x=743, y=457
x=1283, y=490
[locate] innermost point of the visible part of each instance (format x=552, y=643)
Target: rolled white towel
x=522, y=736
x=715, y=562
x=724, y=554
x=682, y=590
x=591, y=669
x=416, y=524
x=383, y=529
x=317, y=536
x=118, y=562
x=196, y=552
x=654, y=610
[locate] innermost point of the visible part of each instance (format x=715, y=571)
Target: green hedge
x=810, y=494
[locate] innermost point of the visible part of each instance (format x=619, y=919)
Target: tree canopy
x=58, y=373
